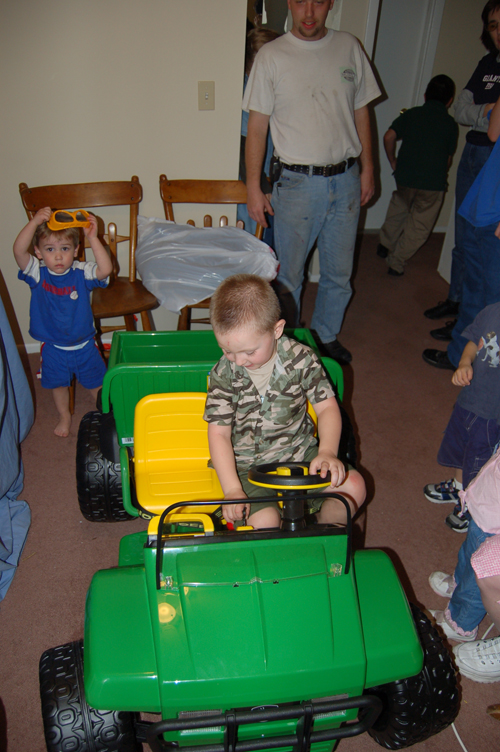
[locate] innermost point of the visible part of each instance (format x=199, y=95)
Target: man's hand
x=324, y=462
x=362, y=123
x=258, y=205
x=255, y=148
x=367, y=186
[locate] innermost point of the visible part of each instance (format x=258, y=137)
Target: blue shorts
x=59, y=366
x=468, y=442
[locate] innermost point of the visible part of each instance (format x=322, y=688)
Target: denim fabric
x=476, y=255
x=326, y=210
x=468, y=442
x=466, y=607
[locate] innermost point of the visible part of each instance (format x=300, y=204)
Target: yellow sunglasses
x=61, y=220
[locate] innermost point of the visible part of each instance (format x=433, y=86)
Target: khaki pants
x=411, y=215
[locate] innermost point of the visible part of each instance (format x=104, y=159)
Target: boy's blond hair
x=244, y=300
x=42, y=231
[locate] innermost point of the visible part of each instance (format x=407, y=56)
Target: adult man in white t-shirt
x=312, y=87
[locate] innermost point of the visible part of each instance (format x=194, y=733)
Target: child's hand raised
x=91, y=231
x=325, y=462
x=42, y=215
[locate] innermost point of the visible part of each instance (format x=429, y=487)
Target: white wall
x=103, y=89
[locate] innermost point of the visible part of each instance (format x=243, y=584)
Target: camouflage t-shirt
x=276, y=427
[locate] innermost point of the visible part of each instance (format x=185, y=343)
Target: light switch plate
x=206, y=95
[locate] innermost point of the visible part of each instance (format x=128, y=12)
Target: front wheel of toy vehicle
x=415, y=709
x=98, y=481
x=71, y=724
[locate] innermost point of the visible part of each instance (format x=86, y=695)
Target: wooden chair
x=201, y=192
x=125, y=296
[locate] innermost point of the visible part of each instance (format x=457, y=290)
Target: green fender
x=392, y=646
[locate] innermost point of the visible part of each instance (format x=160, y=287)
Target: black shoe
x=443, y=309
x=444, y=334
x=438, y=359
x=337, y=351
x=394, y=273
x=382, y=251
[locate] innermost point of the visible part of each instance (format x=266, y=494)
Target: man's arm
x=390, y=138
x=469, y=113
x=257, y=203
x=494, y=126
x=362, y=123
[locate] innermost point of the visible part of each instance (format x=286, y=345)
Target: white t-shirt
x=310, y=90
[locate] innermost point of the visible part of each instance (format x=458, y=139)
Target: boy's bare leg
x=61, y=399
x=353, y=489
x=267, y=517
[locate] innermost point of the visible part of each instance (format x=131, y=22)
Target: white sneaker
x=480, y=660
x=442, y=584
x=448, y=629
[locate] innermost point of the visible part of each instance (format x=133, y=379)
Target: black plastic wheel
x=423, y=705
x=71, y=724
x=98, y=481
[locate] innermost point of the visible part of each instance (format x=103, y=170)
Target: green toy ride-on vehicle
x=240, y=640
x=142, y=363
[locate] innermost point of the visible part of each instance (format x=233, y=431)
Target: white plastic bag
x=182, y=265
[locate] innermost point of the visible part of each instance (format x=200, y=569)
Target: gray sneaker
x=445, y=492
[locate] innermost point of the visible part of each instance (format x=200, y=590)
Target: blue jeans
x=326, y=210
x=466, y=606
x=481, y=255
x=468, y=442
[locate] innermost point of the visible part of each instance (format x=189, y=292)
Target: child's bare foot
x=62, y=428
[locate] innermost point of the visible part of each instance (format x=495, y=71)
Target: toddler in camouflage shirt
x=256, y=405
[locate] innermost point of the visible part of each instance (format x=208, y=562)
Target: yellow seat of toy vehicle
x=171, y=453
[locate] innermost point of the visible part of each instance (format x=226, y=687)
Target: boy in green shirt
x=429, y=139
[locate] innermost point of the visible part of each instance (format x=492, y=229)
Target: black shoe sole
x=438, y=359
x=444, y=334
x=442, y=310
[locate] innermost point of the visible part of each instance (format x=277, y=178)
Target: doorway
x=404, y=48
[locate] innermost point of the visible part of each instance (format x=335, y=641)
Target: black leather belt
x=325, y=171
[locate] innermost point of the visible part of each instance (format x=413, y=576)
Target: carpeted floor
x=399, y=405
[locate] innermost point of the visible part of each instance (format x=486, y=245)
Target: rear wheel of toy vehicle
x=98, y=481
x=423, y=705
x=69, y=723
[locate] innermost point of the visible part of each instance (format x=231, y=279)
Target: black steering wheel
x=287, y=476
